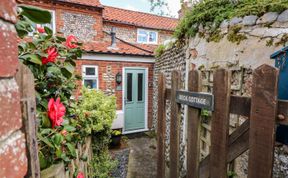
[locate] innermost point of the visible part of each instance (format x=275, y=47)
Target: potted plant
x=116, y=136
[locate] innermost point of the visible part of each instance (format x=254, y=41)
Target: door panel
x=134, y=103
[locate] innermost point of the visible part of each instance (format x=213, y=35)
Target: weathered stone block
x=269, y=17
x=13, y=160
x=8, y=10
x=283, y=17
x=10, y=116
x=249, y=20
x=224, y=24
x=9, y=50
x=235, y=21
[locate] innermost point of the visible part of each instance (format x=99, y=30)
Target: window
x=51, y=25
x=90, y=76
x=147, y=36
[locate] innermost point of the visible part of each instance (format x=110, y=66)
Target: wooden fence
x=257, y=133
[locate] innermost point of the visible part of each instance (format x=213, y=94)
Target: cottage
x=119, y=52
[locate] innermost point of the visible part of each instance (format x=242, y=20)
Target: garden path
x=142, y=158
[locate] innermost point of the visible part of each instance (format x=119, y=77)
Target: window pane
x=142, y=36
x=152, y=37
x=90, y=83
x=129, y=86
x=140, y=87
x=90, y=71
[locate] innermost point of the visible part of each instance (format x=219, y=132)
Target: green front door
x=134, y=99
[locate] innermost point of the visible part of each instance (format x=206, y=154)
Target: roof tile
x=139, y=19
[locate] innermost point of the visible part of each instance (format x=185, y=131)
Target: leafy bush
x=210, y=13
x=95, y=114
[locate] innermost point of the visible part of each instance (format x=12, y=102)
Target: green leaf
x=32, y=58
x=70, y=68
x=42, y=160
x=58, y=152
x=72, y=149
x=48, y=30
x=57, y=139
x=45, y=140
x=45, y=131
x=46, y=122
x=36, y=15
x=69, y=128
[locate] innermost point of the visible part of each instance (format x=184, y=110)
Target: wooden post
x=220, y=124
x=193, y=129
x=161, y=126
x=262, y=122
x=25, y=81
x=175, y=126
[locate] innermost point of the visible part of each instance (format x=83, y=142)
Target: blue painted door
x=283, y=83
x=134, y=99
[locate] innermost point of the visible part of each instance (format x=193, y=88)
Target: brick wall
x=13, y=160
x=107, y=71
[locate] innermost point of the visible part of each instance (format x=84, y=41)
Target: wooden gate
x=257, y=133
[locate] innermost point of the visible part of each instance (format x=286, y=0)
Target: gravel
x=122, y=156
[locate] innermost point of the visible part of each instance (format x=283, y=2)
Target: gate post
x=175, y=126
x=193, y=129
x=262, y=122
x=220, y=124
x=161, y=126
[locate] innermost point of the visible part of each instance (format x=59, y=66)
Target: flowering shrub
x=51, y=58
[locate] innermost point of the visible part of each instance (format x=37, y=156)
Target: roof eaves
x=122, y=54
x=136, y=25
x=79, y=5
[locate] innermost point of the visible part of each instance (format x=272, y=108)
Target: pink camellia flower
x=56, y=111
x=80, y=175
x=71, y=39
x=52, y=55
x=40, y=29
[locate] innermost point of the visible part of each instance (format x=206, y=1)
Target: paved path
x=142, y=158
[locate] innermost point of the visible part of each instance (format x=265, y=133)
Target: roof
x=139, y=19
x=122, y=48
x=85, y=2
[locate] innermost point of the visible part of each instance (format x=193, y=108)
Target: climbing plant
x=210, y=13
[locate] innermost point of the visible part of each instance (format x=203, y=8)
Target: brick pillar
x=13, y=160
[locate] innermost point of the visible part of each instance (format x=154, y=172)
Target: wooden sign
x=195, y=99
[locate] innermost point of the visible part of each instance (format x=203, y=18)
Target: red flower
x=80, y=175
x=71, y=39
x=40, y=29
x=52, y=55
x=56, y=111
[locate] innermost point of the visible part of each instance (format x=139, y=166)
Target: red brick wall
x=13, y=160
x=117, y=67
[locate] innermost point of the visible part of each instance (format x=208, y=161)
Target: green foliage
x=95, y=111
x=233, y=35
x=210, y=13
x=52, y=80
x=159, y=50
x=116, y=132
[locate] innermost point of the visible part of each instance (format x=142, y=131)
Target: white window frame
x=90, y=77
x=147, y=31
x=53, y=22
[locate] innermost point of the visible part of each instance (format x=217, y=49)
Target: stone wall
x=172, y=59
x=263, y=36
x=13, y=160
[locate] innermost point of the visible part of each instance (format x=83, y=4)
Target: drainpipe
x=113, y=37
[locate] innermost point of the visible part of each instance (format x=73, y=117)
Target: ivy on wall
x=210, y=14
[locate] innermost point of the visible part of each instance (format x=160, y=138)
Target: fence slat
x=161, y=124
x=175, y=126
x=238, y=144
x=193, y=129
x=262, y=122
x=25, y=81
x=220, y=124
